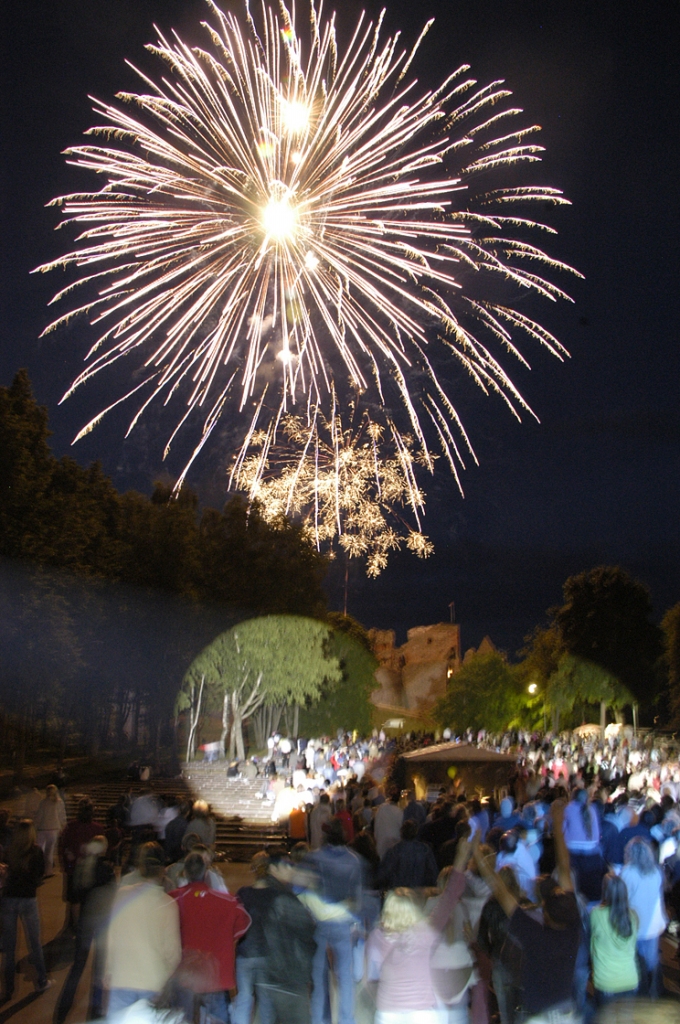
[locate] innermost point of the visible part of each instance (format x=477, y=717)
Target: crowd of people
x=540, y=903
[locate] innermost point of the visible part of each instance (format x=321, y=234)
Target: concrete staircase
x=243, y=820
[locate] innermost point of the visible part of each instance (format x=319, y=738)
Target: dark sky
x=599, y=479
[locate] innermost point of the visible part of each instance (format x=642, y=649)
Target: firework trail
x=337, y=479
x=282, y=220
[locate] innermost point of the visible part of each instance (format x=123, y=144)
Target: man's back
x=212, y=922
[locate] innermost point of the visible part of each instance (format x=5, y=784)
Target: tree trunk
x=296, y=721
x=225, y=723
x=194, y=716
x=603, y=716
x=237, y=728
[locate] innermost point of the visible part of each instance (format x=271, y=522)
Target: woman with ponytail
x=582, y=836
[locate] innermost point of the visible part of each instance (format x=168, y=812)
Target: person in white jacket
x=50, y=821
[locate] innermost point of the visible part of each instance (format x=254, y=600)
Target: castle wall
x=414, y=675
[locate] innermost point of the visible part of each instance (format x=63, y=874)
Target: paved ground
x=28, y=1008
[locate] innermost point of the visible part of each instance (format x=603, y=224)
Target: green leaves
x=274, y=659
x=483, y=694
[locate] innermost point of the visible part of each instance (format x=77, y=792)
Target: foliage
x=670, y=625
x=345, y=704
x=578, y=680
x=483, y=694
x=605, y=619
x=118, y=592
x=270, y=660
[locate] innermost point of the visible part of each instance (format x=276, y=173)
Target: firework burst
x=281, y=220
x=338, y=479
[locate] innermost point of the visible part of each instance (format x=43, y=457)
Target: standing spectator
x=99, y=883
x=297, y=823
x=71, y=842
x=202, y=823
x=289, y=934
x=401, y=949
x=582, y=836
x=613, y=938
x=50, y=821
x=5, y=834
x=143, y=815
x=26, y=868
x=251, y=951
x=409, y=863
x=551, y=941
x=387, y=824
x=339, y=877
x=503, y=952
x=210, y=923
x=175, y=831
x=345, y=818
x=644, y=882
x=320, y=815
x=143, y=945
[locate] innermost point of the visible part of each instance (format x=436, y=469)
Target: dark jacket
x=289, y=933
x=22, y=883
x=410, y=863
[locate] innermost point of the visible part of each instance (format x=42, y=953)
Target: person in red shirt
x=211, y=923
x=75, y=836
x=345, y=819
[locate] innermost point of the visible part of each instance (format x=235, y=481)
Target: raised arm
x=454, y=888
x=495, y=883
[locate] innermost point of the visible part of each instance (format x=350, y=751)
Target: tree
x=483, y=694
x=346, y=703
x=269, y=660
x=577, y=679
x=670, y=625
x=605, y=619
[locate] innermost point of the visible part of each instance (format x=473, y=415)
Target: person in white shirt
x=387, y=824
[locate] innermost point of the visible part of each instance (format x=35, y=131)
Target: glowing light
x=295, y=117
x=532, y=688
x=262, y=145
x=279, y=219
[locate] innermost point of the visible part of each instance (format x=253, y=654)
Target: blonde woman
x=399, y=950
x=50, y=821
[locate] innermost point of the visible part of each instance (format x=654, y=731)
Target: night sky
x=598, y=480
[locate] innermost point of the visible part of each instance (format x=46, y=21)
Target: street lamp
x=532, y=689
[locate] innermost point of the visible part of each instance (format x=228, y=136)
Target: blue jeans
x=249, y=978
x=648, y=950
x=13, y=908
x=336, y=936
x=121, y=998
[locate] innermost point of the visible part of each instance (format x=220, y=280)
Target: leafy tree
x=346, y=703
x=605, y=619
x=273, y=659
x=26, y=467
x=577, y=679
x=123, y=590
x=483, y=694
x=670, y=625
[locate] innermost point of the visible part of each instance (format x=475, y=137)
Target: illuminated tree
x=276, y=659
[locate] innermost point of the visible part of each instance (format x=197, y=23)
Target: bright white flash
x=295, y=117
x=279, y=220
